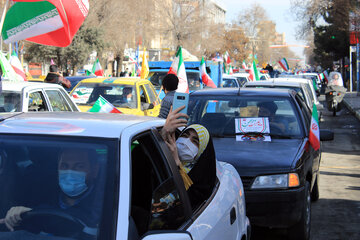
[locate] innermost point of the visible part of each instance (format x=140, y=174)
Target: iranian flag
x=16, y=65
x=204, y=76
x=326, y=76
x=103, y=106
x=314, y=136
x=97, y=70
x=178, y=68
x=8, y=72
x=244, y=65
x=51, y=22
x=227, y=58
x=254, y=72
x=284, y=64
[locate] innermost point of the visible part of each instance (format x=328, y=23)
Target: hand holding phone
x=181, y=99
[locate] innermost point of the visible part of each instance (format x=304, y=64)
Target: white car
x=36, y=97
x=242, y=77
x=123, y=169
x=302, y=88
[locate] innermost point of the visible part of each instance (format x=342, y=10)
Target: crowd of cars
x=266, y=178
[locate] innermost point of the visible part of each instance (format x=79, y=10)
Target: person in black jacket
x=54, y=76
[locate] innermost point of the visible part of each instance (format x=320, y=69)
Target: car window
x=37, y=102
x=155, y=201
x=69, y=101
x=218, y=114
x=156, y=78
x=119, y=95
x=229, y=82
x=57, y=101
x=10, y=101
x=40, y=174
x=242, y=80
x=151, y=92
x=193, y=80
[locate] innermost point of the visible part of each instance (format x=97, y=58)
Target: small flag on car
x=103, y=106
x=314, y=136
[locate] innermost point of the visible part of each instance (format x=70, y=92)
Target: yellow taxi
x=130, y=95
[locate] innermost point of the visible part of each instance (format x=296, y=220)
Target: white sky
x=277, y=10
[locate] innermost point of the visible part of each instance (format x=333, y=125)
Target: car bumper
x=278, y=209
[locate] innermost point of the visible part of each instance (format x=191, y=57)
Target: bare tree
x=236, y=43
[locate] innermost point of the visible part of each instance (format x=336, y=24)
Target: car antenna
x=13, y=115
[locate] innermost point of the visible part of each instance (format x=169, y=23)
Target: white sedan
x=106, y=176
x=36, y=97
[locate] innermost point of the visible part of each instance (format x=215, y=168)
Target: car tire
x=301, y=230
x=315, y=194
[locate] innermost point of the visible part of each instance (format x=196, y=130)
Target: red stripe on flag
x=20, y=73
x=314, y=141
x=115, y=110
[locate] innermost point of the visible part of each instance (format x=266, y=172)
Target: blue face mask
x=72, y=183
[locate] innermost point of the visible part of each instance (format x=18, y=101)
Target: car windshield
x=119, y=95
x=229, y=82
x=10, y=101
x=219, y=114
x=60, y=183
x=193, y=78
x=296, y=89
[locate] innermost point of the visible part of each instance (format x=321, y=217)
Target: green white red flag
x=205, y=78
x=178, y=68
x=326, y=76
x=8, y=72
x=254, y=72
x=51, y=22
x=314, y=135
x=226, y=58
x=97, y=69
x=103, y=106
x=284, y=64
x=244, y=65
x=18, y=68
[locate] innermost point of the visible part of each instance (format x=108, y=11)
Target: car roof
x=105, y=125
x=241, y=74
x=274, y=82
x=116, y=80
x=18, y=86
x=293, y=79
x=265, y=92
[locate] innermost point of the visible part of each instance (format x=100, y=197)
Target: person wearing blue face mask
x=77, y=171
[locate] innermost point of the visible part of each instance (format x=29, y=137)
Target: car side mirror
x=326, y=135
x=165, y=235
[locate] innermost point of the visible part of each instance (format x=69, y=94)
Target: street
x=336, y=215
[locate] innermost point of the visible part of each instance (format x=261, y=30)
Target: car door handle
x=232, y=216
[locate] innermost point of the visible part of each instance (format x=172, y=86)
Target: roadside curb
x=356, y=112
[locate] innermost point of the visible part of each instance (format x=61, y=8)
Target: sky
x=277, y=10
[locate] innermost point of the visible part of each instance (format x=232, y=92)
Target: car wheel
x=315, y=194
x=301, y=230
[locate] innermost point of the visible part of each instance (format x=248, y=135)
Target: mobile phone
x=181, y=99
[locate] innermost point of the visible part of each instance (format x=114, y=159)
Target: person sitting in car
x=194, y=155
x=11, y=103
x=77, y=173
x=268, y=109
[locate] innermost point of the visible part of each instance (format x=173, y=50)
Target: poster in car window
x=252, y=129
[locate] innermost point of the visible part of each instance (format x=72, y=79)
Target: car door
x=154, y=99
x=222, y=215
x=158, y=196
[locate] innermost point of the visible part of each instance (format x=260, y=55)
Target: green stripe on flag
x=98, y=104
x=18, y=20
x=315, y=114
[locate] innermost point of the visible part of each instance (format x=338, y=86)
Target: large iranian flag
x=205, y=78
x=51, y=22
x=314, y=136
x=97, y=69
x=103, y=106
x=178, y=68
x=18, y=68
x=254, y=72
x=284, y=64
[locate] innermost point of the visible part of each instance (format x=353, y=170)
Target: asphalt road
x=336, y=215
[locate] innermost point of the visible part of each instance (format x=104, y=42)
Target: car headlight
x=276, y=181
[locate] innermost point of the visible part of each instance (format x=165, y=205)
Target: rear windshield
x=193, y=78
x=220, y=113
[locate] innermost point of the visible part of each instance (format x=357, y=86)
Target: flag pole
x=2, y=20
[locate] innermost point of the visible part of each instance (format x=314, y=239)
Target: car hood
x=254, y=158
